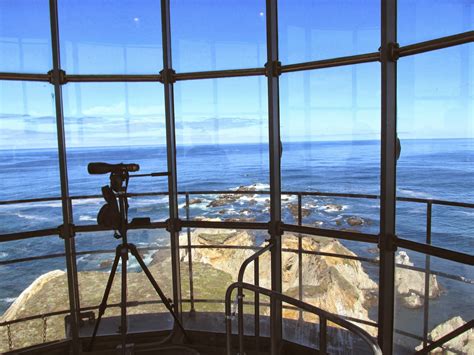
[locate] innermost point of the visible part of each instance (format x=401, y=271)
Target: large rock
x=462, y=344
x=410, y=284
x=335, y=284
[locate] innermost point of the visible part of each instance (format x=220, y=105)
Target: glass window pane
x=103, y=37
x=25, y=39
x=115, y=123
x=330, y=124
x=215, y=35
x=216, y=256
x=443, y=309
x=347, y=272
x=222, y=138
x=422, y=20
x=28, y=156
x=320, y=29
x=436, y=129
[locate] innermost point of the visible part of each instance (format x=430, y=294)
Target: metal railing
x=188, y=223
x=324, y=317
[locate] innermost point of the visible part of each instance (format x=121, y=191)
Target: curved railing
x=324, y=317
x=188, y=223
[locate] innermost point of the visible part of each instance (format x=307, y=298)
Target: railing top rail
x=256, y=192
x=253, y=257
x=308, y=308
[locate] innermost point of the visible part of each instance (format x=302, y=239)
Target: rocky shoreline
x=336, y=284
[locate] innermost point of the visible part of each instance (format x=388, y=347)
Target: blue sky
x=435, y=89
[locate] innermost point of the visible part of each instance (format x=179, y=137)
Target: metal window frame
x=388, y=241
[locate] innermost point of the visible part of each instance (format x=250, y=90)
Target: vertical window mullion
x=57, y=76
x=388, y=174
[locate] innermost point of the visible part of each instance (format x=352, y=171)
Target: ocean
x=428, y=169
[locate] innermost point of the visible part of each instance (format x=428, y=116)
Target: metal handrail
x=253, y=258
x=323, y=315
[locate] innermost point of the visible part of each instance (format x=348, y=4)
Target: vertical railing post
x=67, y=232
x=387, y=245
x=426, y=299
x=323, y=345
x=168, y=80
x=273, y=71
x=256, y=277
x=300, y=253
x=190, y=258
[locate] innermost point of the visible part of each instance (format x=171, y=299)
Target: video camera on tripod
x=114, y=214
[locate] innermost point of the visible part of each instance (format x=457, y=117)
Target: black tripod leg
x=157, y=288
x=103, y=304
x=123, y=301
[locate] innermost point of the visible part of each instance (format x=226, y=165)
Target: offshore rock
x=462, y=344
x=410, y=284
x=355, y=221
x=293, y=207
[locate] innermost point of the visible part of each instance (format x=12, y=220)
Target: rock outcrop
x=462, y=344
x=335, y=284
x=410, y=284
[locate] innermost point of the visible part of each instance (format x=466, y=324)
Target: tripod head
x=114, y=214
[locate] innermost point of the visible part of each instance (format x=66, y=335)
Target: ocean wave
x=411, y=193
x=87, y=218
x=8, y=299
x=31, y=217
x=3, y=254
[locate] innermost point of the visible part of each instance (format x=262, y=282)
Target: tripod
x=117, y=216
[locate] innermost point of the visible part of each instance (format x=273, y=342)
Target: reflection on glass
x=120, y=37
x=415, y=19
x=222, y=138
x=210, y=35
x=25, y=40
x=330, y=128
x=319, y=29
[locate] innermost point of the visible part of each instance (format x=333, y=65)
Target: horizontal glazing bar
x=436, y=251
x=224, y=225
x=30, y=234
x=113, y=78
x=239, y=247
x=338, y=234
x=24, y=77
x=334, y=62
x=435, y=44
x=220, y=74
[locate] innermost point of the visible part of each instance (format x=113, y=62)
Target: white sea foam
x=8, y=299
x=3, y=254
x=87, y=218
x=258, y=187
x=31, y=217
x=411, y=193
